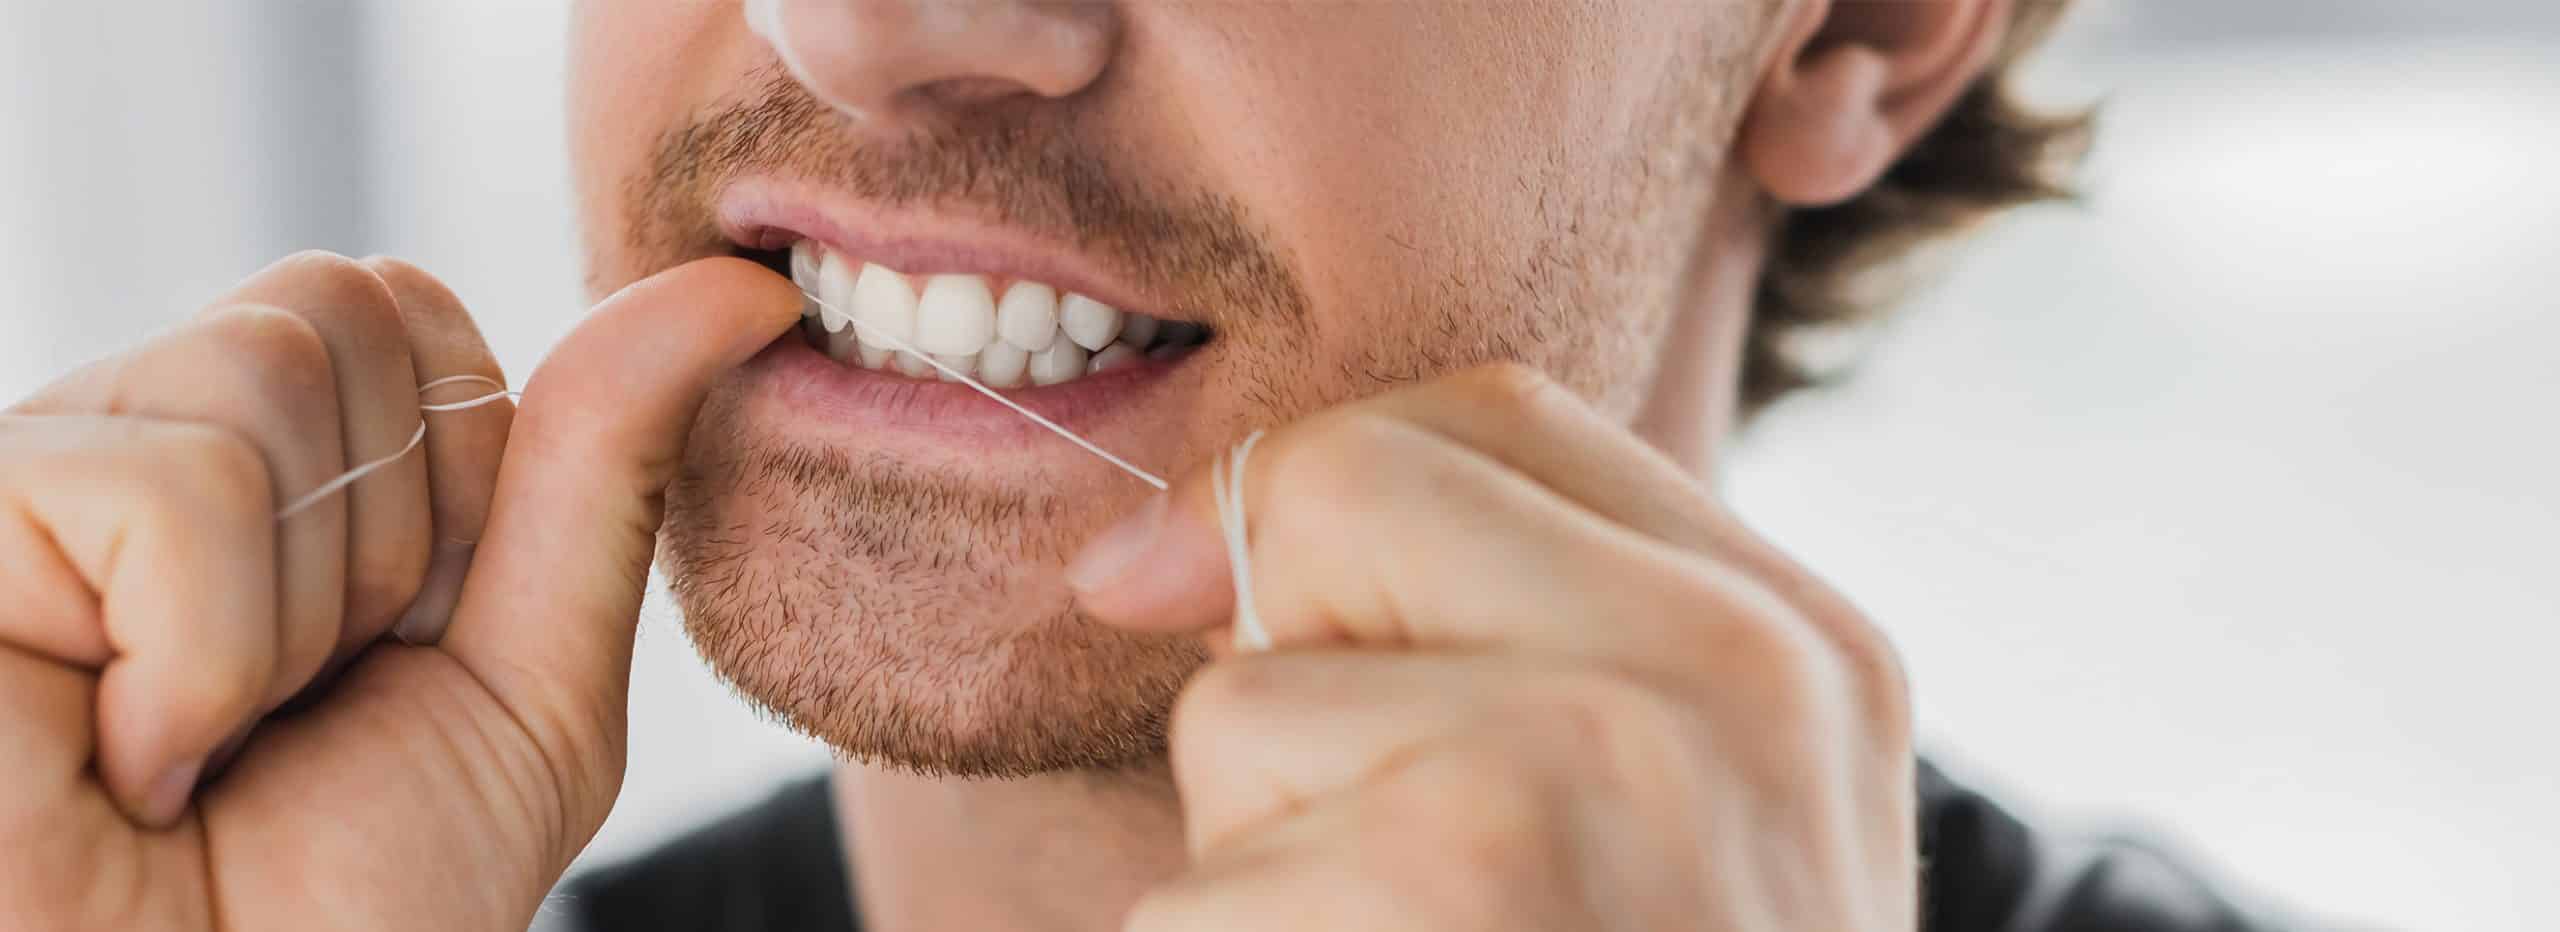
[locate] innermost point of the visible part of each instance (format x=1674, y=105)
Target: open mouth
x=1004, y=332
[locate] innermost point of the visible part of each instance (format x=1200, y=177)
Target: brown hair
x=1990, y=152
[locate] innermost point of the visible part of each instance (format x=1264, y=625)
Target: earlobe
x=1854, y=85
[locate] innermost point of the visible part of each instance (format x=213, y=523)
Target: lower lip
x=802, y=393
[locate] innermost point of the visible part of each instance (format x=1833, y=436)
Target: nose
x=894, y=60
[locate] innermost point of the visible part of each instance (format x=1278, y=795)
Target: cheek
x=1448, y=201
x=637, y=71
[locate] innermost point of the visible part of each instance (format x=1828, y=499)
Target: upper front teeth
x=1028, y=316
x=956, y=316
x=1032, y=334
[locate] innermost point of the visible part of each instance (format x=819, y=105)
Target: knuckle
x=223, y=470
x=1793, y=660
x=1627, y=737
x=1875, y=673
x=1747, y=633
x=418, y=291
x=274, y=353
x=1806, y=652
x=400, y=274
x=329, y=281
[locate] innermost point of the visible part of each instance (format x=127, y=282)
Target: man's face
x=1346, y=196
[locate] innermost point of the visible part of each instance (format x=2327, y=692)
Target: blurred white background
x=2221, y=506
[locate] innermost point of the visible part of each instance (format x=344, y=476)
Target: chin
x=908, y=620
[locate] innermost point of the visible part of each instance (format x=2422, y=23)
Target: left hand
x=1527, y=674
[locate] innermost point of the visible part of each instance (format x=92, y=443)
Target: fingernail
x=168, y=796
x=432, y=610
x=1110, y=556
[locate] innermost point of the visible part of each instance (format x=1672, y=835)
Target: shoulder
x=776, y=864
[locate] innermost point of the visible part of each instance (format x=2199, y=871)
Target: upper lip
x=764, y=214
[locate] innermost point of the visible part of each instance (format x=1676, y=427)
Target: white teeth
x=956, y=316
x=964, y=365
x=806, y=257
x=1138, y=329
x=1113, y=357
x=1028, y=316
x=1063, y=360
x=912, y=366
x=1034, y=335
x=882, y=301
x=1003, y=365
x=837, y=293
x=1092, y=324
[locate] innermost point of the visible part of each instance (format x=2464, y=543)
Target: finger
x=1366, y=529
x=1523, y=421
x=1518, y=417
x=359, y=320
x=1256, y=739
x=47, y=736
x=1280, y=888
x=547, y=616
x=1430, y=844
x=172, y=526
x=52, y=611
x=463, y=447
x=265, y=375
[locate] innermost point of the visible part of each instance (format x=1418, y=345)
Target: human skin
x=1485, y=293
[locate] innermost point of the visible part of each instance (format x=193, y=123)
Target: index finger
x=1366, y=528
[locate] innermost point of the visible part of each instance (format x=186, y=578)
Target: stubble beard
x=906, y=619
x=917, y=622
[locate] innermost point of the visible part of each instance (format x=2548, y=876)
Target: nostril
x=891, y=60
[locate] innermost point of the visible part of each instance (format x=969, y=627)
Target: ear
x=1854, y=84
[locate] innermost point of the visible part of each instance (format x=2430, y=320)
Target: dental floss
x=765, y=18
x=963, y=378
x=348, y=478
x=1226, y=476
x=1226, y=481
x=1226, y=485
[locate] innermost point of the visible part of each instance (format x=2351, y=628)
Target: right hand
x=153, y=610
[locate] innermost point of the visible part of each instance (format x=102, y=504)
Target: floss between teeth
x=1226, y=480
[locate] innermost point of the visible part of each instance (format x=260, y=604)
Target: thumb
x=546, y=618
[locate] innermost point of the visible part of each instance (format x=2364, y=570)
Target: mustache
x=1022, y=164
